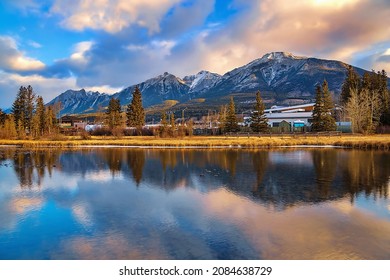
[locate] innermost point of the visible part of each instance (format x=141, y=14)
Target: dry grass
x=381, y=142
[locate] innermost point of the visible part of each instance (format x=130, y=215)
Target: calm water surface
x=116, y=203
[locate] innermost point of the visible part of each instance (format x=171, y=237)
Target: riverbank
x=380, y=142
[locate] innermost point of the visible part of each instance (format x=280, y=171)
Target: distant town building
x=291, y=118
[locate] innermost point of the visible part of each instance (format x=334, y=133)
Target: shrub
x=118, y=132
x=102, y=131
x=84, y=135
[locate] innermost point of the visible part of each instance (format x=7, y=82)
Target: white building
x=294, y=117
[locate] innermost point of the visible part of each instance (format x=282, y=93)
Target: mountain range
x=282, y=78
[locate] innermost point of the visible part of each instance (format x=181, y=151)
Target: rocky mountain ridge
x=280, y=75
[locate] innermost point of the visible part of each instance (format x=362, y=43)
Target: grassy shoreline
x=379, y=142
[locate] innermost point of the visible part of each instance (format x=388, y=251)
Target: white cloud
x=80, y=52
x=26, y=6
x=309, y=27
x=104, y=88
x=112, y=16
x=13, y=59
x=34, y=44
x=48, y=88
x=155, y=48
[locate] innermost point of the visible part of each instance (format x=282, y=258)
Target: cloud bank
x=127, y=42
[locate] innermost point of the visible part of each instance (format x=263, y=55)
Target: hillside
x=283, y=78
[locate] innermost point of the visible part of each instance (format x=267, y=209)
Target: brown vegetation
x=381, y=142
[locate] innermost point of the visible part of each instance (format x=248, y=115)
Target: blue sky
x=107, y=45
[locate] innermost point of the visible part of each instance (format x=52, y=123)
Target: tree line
x=366, y=100
x=29, y=117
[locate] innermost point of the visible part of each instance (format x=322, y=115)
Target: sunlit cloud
x=299, y=232
x=112, y=16
x=48, y=88
x=100, y=176
x=81, y=215
x=80, y=51
x=111, y=246
x=13, y=59
x=121, y=43
x=309, y=28
x=104, y=89
x=22, y=205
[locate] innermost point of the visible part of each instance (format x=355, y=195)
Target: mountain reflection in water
x=121, y=203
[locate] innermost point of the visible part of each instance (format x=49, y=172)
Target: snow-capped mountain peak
x=279, y=74
x=278, y=56
x=202, y=81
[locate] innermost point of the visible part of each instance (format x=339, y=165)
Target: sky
x=107, y=45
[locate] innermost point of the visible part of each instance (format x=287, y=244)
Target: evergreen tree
x=329, y=122
x=23, y=109
x=114, y=117
x=20, y=129
x=352, y=82
x=317, y=111
x=2, y=118
x=222, y=117
x=322, y=113
x=172, y=128
x=135, y=112
x=29, y=107
x=384, y=93
x=259, y=120
x=50, y=121
x=231, y=124
x=370, y=104
x=18, y=109
x=164, y=125
x=35, y=131
x=40, y=115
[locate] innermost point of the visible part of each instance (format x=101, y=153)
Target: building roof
x=289, y=108
x=296, y=115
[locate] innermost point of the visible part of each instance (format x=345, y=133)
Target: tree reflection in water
x=280, y=177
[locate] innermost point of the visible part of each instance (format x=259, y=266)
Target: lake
x=134, y=203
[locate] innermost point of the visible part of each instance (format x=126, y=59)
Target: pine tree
x=329, y=123
x=30, y=107
x=259, y=120
x=135, y=112
x=35, y=131
x=2, y=118
x=369, y=104
x=164, y=125
x=172, y=128
x=322, y=113
x=40, y=115
x=114, y=117
x=222, y=117
x=352, y=82
x=50, y=121
x=18, y=109
x=231, y=124
x=317, y=111
x=23, y=109
x=385, y=99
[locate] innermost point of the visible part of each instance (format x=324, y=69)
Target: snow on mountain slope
x=280, y=74
x=80, y=101
x=156, y=90
x=201, y=82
